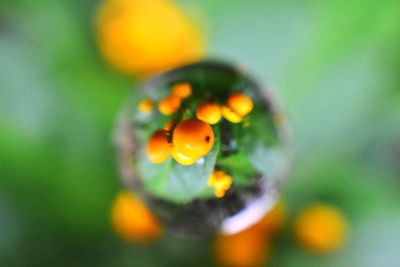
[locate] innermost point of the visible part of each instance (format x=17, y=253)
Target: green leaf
x=239, y=167
x=259, y=141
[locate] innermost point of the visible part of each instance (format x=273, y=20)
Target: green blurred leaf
x=239, y=167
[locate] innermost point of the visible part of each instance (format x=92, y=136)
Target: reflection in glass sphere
x=253, y=150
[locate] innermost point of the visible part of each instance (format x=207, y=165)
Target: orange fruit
x=240, y=103
x=230, y=114
x=321, y=228
x=169, y=105
x=182, y=90
x=158, y=147
x=193, y=138
x=143, y=37
x=133, y=221
x=209, y=112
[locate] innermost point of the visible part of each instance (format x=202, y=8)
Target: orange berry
x=243, y=249
x=209, y=112
x=146, y=105
x=321, y=229
x=182, y=158
x=221, y=182
x=193, y=138
x=133, y=221
x=182, y=90
x=158, y=148
x=240, y=103
x=142, y=37
x=230, y=115
x=169, y=105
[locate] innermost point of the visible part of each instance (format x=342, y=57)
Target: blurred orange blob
x=143, y=37
x=146, y=105
x=182, y=90
x=133, y=221
x=321, y=229
x=245, y=249
x=169, y=105
x=252, y=246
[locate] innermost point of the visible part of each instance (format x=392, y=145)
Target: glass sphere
x=227, y=185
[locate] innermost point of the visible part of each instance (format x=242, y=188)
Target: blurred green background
x=333, y=64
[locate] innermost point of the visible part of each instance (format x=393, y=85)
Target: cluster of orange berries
x=169, y=104
x=237, y=106
x=192, y=138
x=221, y=182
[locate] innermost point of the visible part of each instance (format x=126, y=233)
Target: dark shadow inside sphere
x=263, y=139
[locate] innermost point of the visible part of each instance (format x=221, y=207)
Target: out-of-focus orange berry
x=221, y=182
x=146, y=105
x=169, y=105
x=182, y=90
x=142, y=37
x=209, y=112
x=240, y=103
x=183, y=159
x=244, y=249
x=193, y=138
x=230, y=115
x=158, y=147
x=133, y=221
x=321, y=228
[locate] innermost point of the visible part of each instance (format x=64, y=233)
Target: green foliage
x=334, y=66
x=239, y=167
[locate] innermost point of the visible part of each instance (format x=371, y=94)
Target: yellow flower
x=321, y=229
x=143, y=37
x=133, y=221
